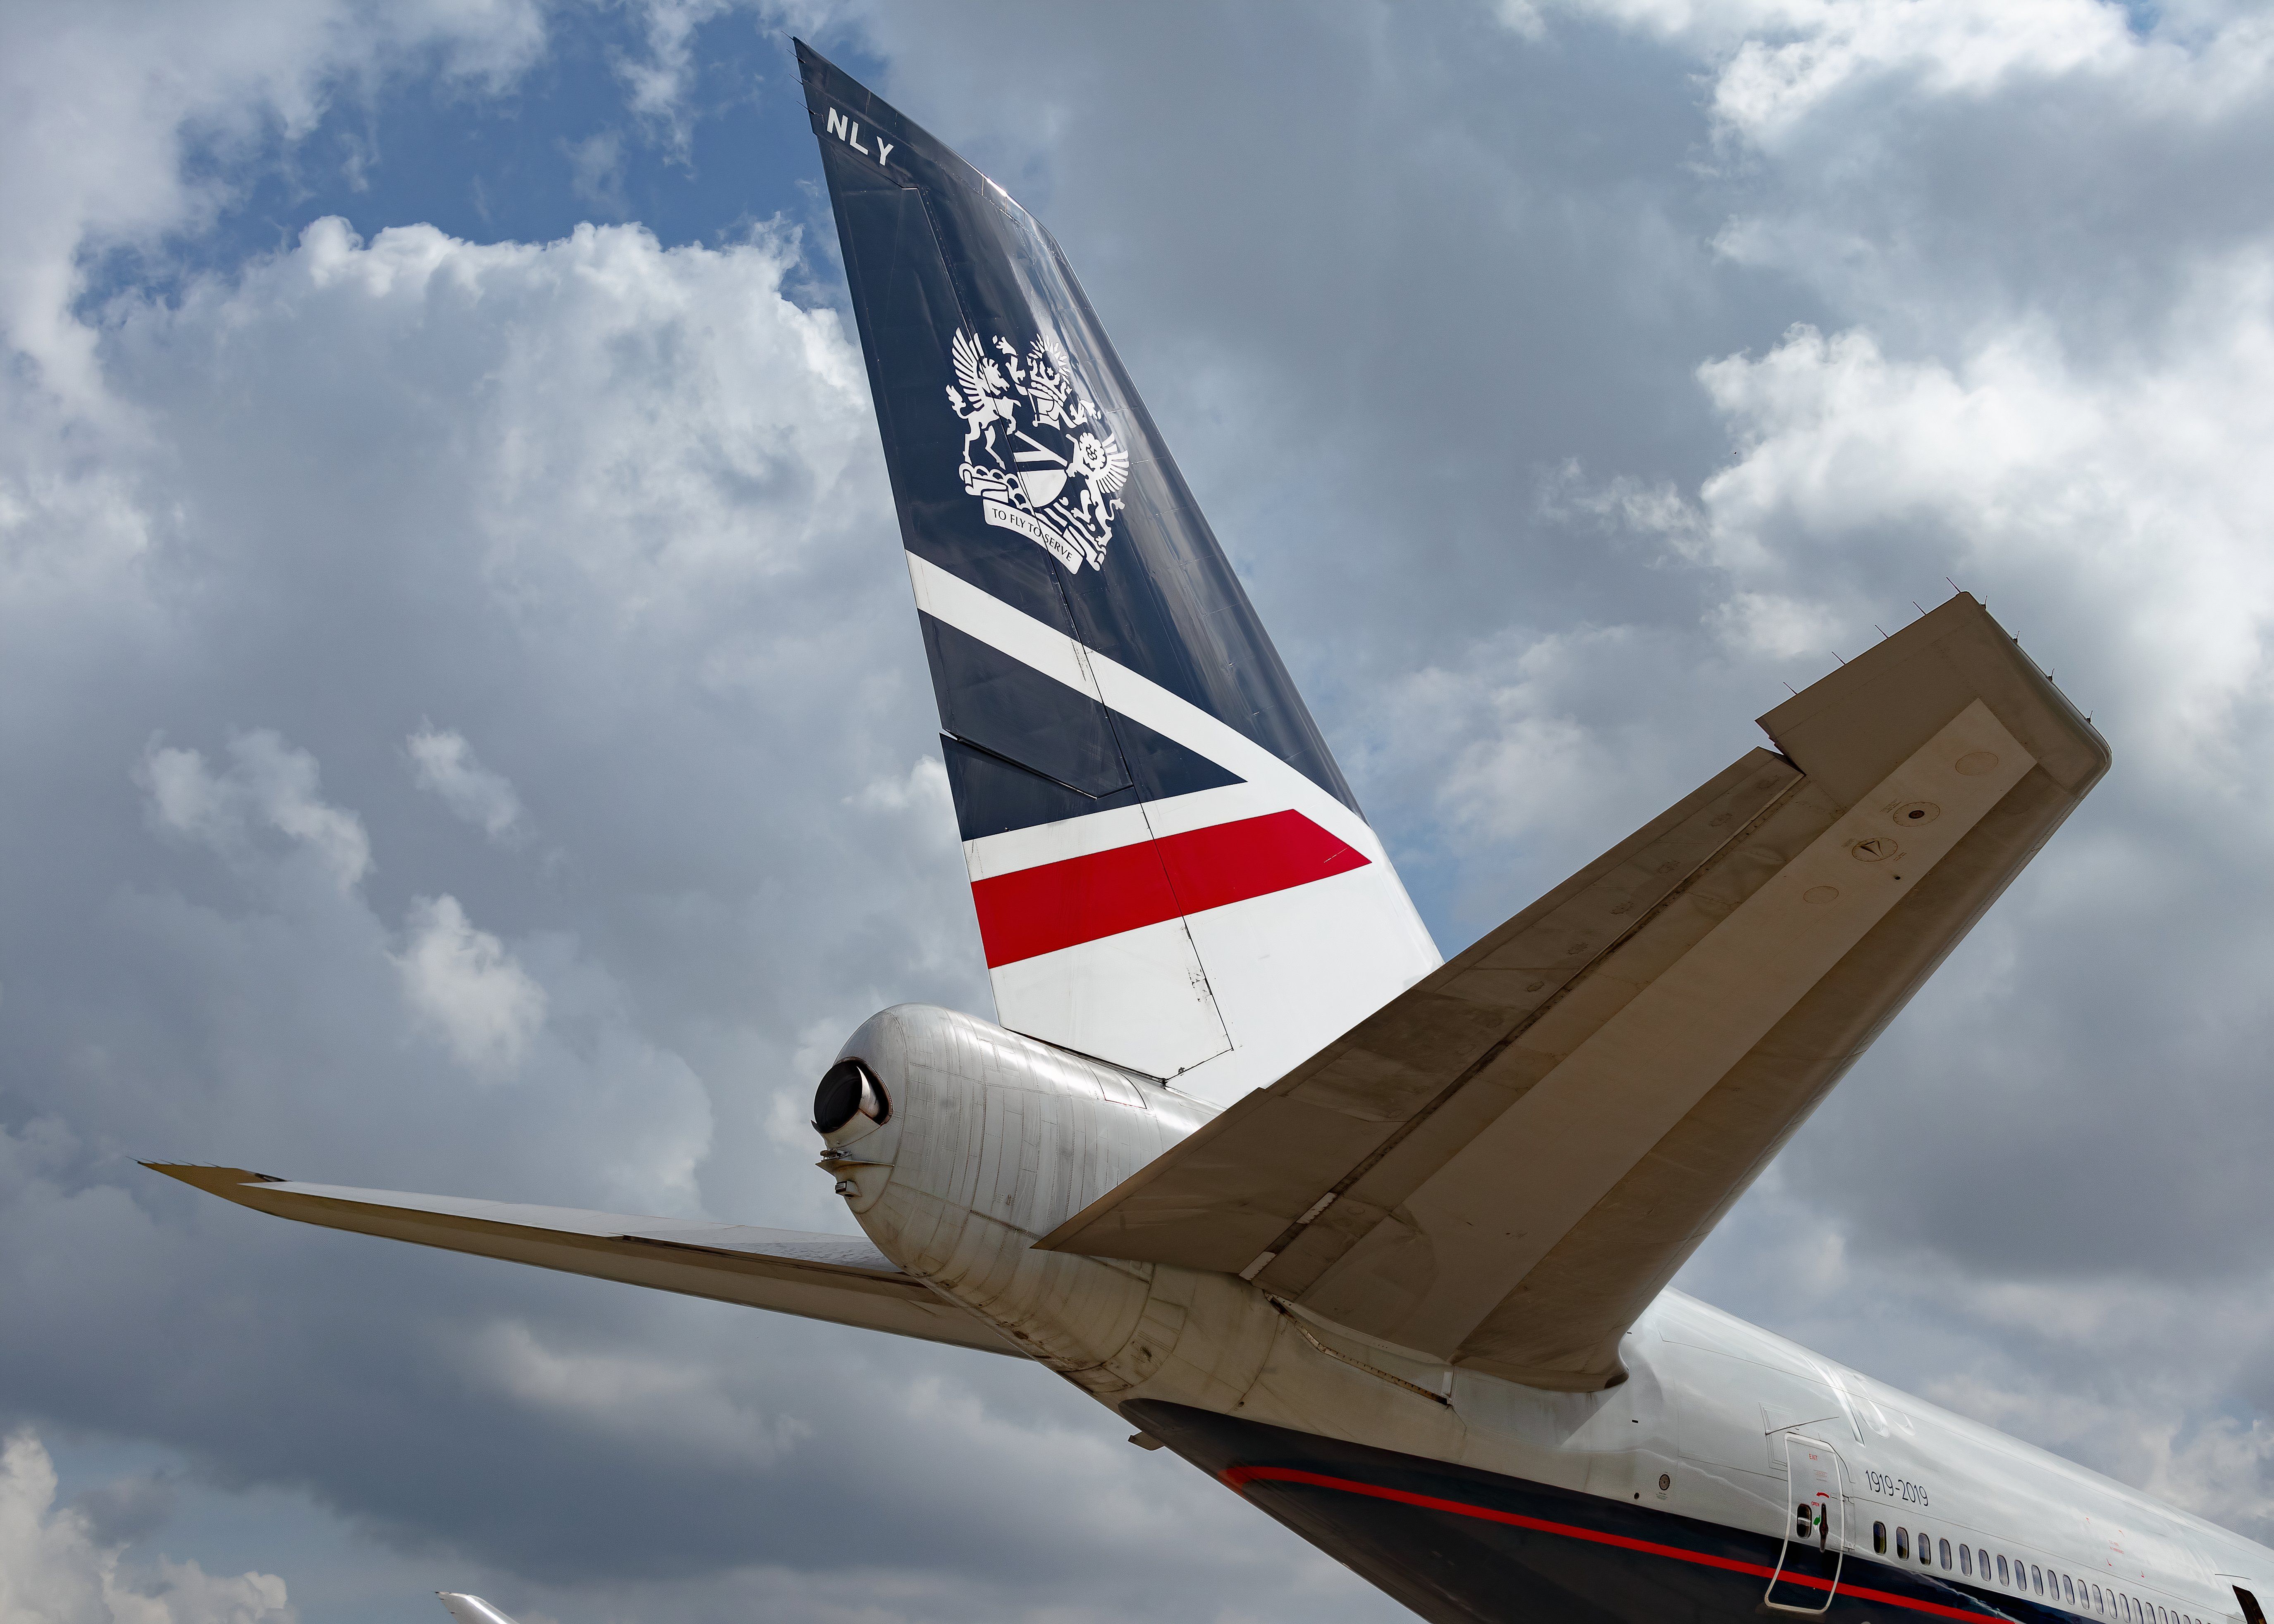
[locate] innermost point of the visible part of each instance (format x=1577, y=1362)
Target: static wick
x=1835, y=654
x=1918, y=605
x=1880, y=629
x=1796, y=693
x=1953, y=585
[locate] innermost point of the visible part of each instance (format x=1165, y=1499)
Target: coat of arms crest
x=1036, y=450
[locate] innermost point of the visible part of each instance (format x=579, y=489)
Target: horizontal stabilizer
x=841, y=1279
x=470, y=1609
x=1504, y=1165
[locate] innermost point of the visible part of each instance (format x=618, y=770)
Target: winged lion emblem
x=1037, y=451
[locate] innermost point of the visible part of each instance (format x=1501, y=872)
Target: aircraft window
x=1945, y=1552
x=1879, y=1538
x=1802, y=1524
x=1902, y=1542
x=1965, y=1559
x=2068, y=1589
x=2037, y=1582
x=2002, y=1578
x=2096, y=1607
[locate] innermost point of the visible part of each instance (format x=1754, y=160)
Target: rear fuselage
x=1467, y=1496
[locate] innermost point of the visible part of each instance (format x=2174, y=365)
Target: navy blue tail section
x=1079, y=756
x=1022, y=461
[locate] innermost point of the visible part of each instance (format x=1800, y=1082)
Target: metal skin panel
x=1504, y=1165
x=991, y=700
x=837, y=1278
x=1138, y=995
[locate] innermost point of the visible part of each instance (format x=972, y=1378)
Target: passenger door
x=1816, y=1527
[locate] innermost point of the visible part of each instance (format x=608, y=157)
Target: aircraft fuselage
x=1680, y=1492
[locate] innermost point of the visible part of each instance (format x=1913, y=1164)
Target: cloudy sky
x=464, y=730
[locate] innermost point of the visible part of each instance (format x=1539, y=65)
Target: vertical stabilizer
x=1168, y=870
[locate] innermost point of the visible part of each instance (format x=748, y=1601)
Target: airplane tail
x=1170, y=871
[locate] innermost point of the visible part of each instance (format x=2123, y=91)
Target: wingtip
x=213, y=1180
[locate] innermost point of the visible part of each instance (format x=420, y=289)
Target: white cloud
x=54, y=1570
x=2136, y=492
x=107, y=93
x=464, y=982
x=597, y=173
x=1518, y=744
x=649, y=1399
x=1771, y=624
x=1778, y=62
x=660, y=82
x=444, y=762
x=270, y=786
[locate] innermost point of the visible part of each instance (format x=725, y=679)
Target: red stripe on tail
x=1041, y=909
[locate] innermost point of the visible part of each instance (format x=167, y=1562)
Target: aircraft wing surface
x=1504, y=1165
x=838, y=1278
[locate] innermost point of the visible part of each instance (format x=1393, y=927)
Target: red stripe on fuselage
x=1237, y=1478
x=1051, y=905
